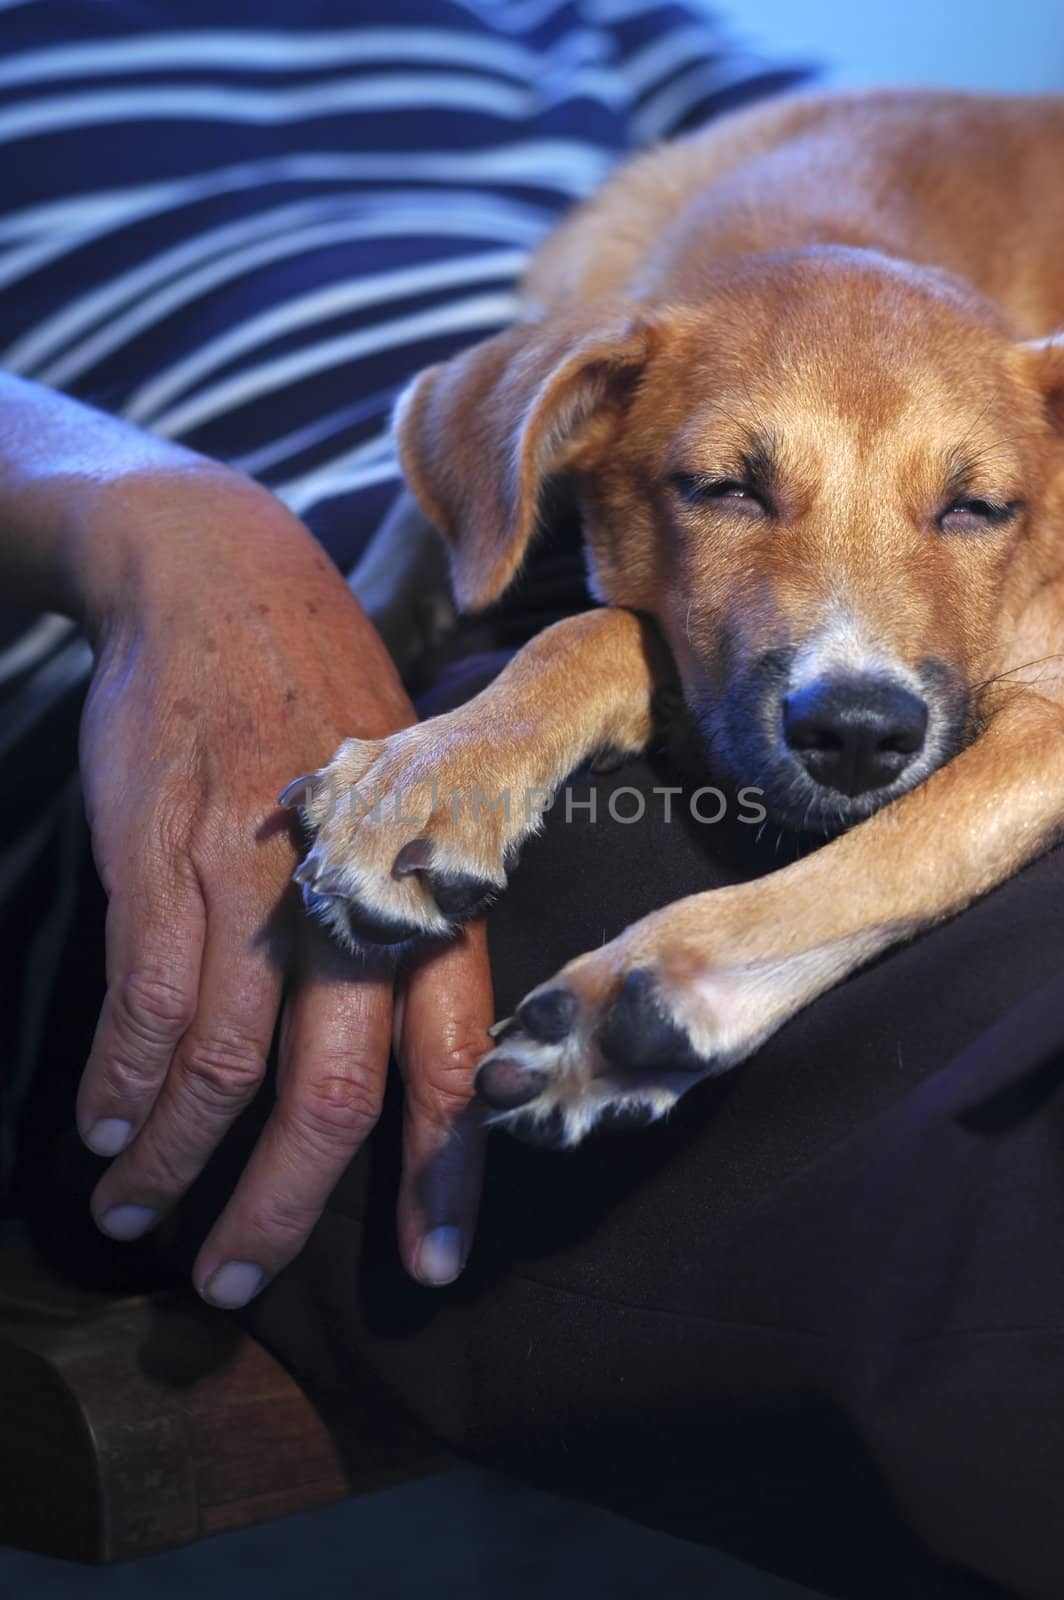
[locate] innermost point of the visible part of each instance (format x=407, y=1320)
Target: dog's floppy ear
x=1043, y=365
x=479, y=434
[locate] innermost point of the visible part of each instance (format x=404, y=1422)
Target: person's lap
x=815, y=1316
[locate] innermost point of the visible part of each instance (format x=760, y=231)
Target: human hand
x=231, y=655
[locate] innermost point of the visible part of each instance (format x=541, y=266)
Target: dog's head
x=829, y=477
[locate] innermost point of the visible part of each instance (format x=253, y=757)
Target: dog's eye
x=733, y=493
x=968, y=515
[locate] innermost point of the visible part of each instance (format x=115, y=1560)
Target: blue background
x=1016, y=47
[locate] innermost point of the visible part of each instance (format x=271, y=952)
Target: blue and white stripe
x=249, y=237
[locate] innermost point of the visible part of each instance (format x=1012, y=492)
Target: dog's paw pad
x=505, y=1084
x=584, y=1053
x=461, y=895
x=369, y=927
x=637, y=1034
x=549, y=1016
x=353, y=923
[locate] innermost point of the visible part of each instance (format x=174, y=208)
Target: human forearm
x=230, y=655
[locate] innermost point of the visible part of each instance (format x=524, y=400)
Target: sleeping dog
x=799, y=371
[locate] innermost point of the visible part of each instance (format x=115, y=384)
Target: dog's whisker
x=1023, y=666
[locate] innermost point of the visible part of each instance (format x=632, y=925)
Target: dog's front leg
x=691, y=990
x=414, y=833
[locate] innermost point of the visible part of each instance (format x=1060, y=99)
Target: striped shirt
x=247, y=238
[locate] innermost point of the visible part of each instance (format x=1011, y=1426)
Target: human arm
x=230, y=655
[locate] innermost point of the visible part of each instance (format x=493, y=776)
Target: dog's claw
x=287, y=796
x=458, y=895
x=417, y=856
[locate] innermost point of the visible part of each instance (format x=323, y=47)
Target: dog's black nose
x=854, y=734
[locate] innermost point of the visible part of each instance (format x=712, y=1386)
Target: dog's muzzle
x=827, y=751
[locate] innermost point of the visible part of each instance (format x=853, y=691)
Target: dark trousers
x=817, y=1318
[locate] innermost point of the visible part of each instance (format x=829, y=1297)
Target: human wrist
x=200, y=558
x=160, y=537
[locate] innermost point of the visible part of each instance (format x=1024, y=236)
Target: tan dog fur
x=867, y=286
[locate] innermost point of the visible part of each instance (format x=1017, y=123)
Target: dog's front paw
x=620, y=1034
x=411, y=836
x=614, y=1039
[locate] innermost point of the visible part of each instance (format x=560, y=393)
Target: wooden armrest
x=130, y=1426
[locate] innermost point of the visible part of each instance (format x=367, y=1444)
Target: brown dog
x=797, y=369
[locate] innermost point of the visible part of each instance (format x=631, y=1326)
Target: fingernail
x=440, y=1256
x=233, y=1285
x=109, y=1136
x=126, y=1222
